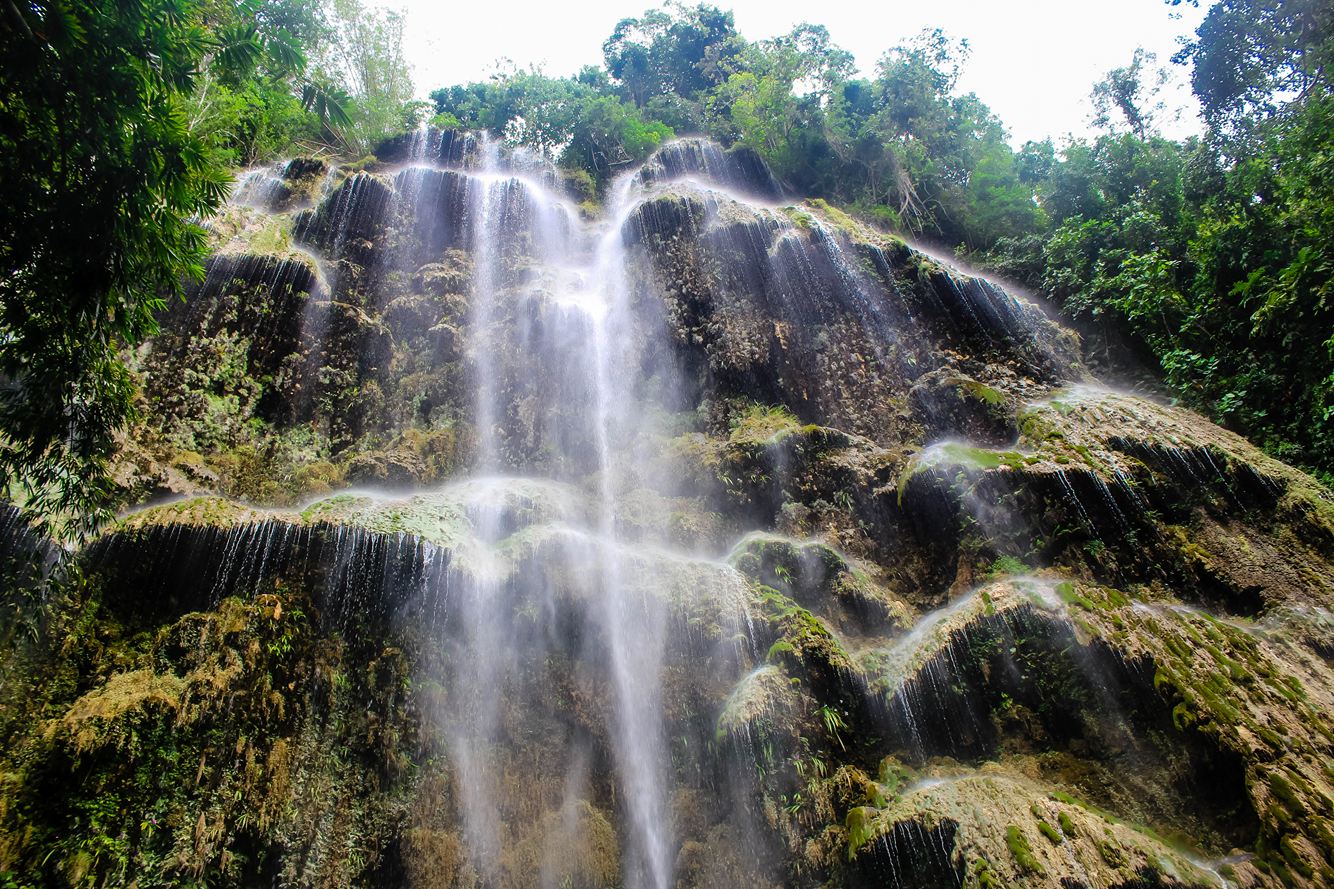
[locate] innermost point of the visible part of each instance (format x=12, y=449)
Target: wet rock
x=955, y=406
x=798, y=500
x=388, y=469
x=451, y=148
x=740, y=168
x=993, y=829
x=820, y=578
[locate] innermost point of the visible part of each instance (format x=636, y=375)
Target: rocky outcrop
x=797, y=557
x=740, y=169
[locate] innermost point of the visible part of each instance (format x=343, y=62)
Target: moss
x=981, y=876
x=840, y=219
x=274, y=237
x=1294, y=857
x=761, y=704
x=980, y=392
x=760, y=424
x=1285, y=793
x=1052, y=834
x=816, y=575
x=192, y=747
x=98, y=718
x=1005, y=566
x=800, y=218
x=862, y=826
x=964, y=457
x=1071, y=595
x=971, y=457
x=1022, y=852
x=210, y=512
x=1067, y=824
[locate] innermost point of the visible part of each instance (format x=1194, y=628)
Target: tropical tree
x=104, y=183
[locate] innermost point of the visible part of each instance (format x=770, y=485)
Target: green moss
x=1005, y=566
x=1052, y=834
x=1070, y=595
x=862, y=824
x=274, y=237
x=1067, y=824
x=213, y=512
x=971, y=457
x=964, y=457
x=1285, y=793
x=982, y=876
x=849, y=226
x=800, y=218
x=760, y=424
x=1294, y=858
x=761, y=705
x=1022, y=852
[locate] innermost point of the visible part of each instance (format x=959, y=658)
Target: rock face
x=711, y=541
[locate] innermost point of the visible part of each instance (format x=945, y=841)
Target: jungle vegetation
x=119, y=124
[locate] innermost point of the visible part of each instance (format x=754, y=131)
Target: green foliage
x=175, y=755
x=679, y=50
x=1212, y=254
x=103, y=177
x=573, y=120
x=1005, y=566
x=1249, y=54
x=361, y=89
x=118, y=124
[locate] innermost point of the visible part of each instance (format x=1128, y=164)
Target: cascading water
x=672, y=543
x=549, y=299
x=563, y=404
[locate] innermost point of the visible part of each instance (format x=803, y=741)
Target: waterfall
x=686, y=538
x=567, y=376
x=549, y=298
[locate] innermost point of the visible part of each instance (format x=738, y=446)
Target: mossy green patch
x=1017, y=843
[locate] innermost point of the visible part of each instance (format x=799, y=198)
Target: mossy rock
x=989, y=816
x=952, y=405
x=820, y=578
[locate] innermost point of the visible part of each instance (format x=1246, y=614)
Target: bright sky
x=1033, y=61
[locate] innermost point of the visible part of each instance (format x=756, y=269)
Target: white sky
x=1033, y=61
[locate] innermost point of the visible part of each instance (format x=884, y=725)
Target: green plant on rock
x=833, y=723
x=1022, y=852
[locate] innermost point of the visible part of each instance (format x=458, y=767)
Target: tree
x=607, y=135
x=775, y=101
x=104, y=182
x=1132, y=92
x=681, y=50
x=246, y=103
x=1251, y=57
x=362, y=50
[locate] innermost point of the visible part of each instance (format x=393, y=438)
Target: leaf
x=239, y=50
x=284, y=53
x=328, y=103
